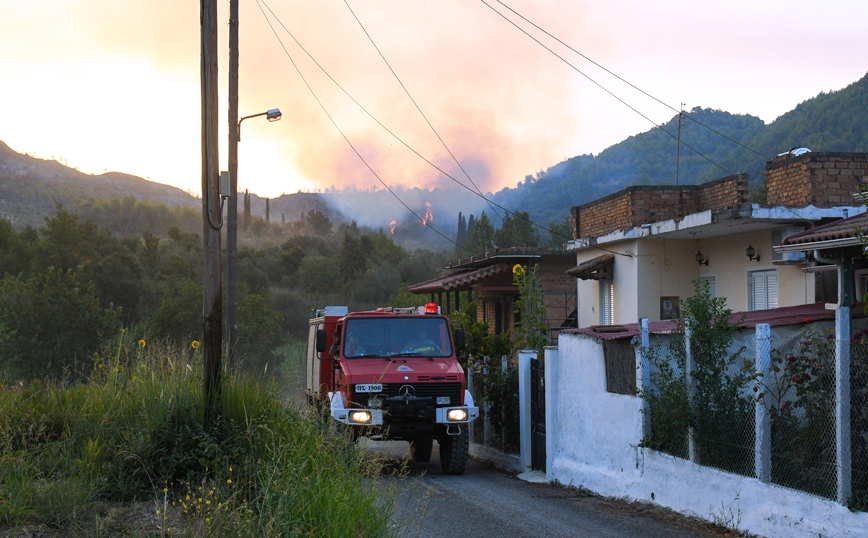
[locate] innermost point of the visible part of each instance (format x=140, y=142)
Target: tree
x=318, y=222
x=482, y=237
x=245, y=223
x=258, y=329
x=461, y=236
x=560, y=232
x=179, y=317
x=517, y=231
x=51, y=321
x=267, y=210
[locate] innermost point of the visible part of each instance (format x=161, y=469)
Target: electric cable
x=346, y=139
x=620, y=100
x=627, y=82
x=395, y=136
x=371, y=39
x=260, y=3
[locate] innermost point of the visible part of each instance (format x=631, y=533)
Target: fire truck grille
x=419, y=390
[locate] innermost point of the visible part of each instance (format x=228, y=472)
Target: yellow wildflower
x=141, y=343
x=195, y=344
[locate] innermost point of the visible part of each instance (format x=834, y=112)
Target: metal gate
x=537, y=415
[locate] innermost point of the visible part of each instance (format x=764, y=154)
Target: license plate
x=370, y=387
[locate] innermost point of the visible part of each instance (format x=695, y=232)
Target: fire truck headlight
x=457, y=414
x=360, y=417
x=443, y=400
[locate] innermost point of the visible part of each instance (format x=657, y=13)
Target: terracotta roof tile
x=840, y=229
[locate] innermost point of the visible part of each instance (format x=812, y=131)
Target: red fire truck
x=393, y=373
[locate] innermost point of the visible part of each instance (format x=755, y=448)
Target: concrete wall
x=594, y=444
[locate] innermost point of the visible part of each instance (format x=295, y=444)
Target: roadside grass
x=121, y=450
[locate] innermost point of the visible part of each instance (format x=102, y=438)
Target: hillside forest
x=71, y=285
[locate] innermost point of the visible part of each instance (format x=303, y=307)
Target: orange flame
x=392, y=227
x=428, y=215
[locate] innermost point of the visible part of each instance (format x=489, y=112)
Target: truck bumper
x=374, y=417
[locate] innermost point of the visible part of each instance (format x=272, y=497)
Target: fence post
x=553, y=365
x=524, y=357
x=763, y=423
x=470, y=430
x=504, y=366
x=688, y=377
x=842, y=397
x=486, y=407
x=643, y=383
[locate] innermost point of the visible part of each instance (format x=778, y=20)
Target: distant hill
x=833, y=121
x=29, y=188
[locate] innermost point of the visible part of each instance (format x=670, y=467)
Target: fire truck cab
x=393, y=374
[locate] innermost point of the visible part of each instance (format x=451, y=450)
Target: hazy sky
x=114, y=84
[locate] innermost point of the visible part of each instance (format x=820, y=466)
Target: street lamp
x=232, y=225
x=271, y=115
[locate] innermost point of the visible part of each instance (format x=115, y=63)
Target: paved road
x=489, y=503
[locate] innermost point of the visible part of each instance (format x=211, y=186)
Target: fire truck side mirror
x=459, y=339
x=321, y=340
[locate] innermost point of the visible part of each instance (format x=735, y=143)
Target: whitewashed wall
x=593, y=443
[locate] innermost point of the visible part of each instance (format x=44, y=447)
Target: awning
x=458, y=281
x=594, y=269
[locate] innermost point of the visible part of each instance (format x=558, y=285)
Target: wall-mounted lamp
x=750, y=251
x=700, y=259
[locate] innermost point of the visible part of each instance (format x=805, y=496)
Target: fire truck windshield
x=424, y=336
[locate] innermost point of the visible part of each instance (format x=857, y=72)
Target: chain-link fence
x=800, y=397
x=859, y=419
x=494, y=387
x=724, y=406
x=791, y=384
x=707, y=416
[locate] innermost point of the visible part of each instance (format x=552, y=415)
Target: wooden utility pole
x=232, y=210
x=212, y=313
x=678, y=149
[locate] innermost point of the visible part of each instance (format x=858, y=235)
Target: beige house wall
x=667, y=268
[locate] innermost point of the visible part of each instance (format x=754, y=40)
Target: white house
x=639, y=250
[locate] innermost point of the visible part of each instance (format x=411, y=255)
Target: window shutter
x=607, y=298
x=772, y=289
x=764, y=290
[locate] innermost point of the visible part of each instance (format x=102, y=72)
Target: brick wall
x=818, y=179
x=640, y=205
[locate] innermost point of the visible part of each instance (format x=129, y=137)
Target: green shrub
x=132, y=431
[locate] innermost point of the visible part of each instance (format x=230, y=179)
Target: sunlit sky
x=114, y=85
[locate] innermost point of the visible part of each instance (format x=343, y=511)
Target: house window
x=762, y=289
x=712, y=284
x=607, y=300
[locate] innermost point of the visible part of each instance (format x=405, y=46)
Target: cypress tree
x=246, y=222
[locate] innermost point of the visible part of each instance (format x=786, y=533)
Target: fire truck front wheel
x=420, y=448
x=453, y=451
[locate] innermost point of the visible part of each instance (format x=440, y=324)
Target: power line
x=260, y=3
x=371, y=39
x=623, y=102
x=329, y=116
x=627, y=82
x=385, y=128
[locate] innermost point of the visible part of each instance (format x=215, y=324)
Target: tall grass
x=127, y=437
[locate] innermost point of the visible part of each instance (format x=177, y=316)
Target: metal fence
x=789, y=410
x=494, y=387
